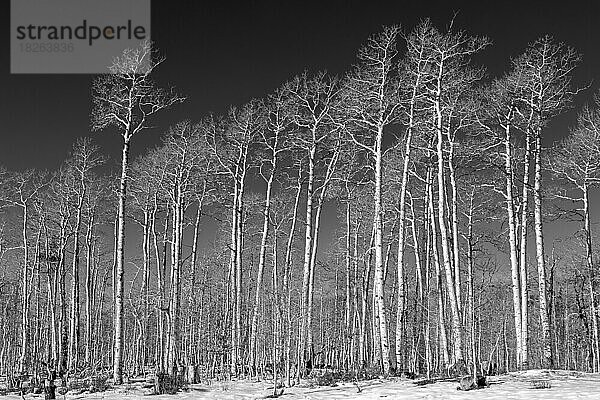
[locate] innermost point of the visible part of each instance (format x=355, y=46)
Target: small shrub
x=326, y=379
x=78, y=384
x=98, y=383
x=168, y=384
x=320, y=377
x=370, y=372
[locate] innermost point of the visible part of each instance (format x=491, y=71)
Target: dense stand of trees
x=209, y=250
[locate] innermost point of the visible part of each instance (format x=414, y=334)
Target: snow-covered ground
x=564, y=385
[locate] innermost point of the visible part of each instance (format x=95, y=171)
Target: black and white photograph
x=336, y=199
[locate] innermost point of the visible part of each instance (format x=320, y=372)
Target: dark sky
x=224, y=52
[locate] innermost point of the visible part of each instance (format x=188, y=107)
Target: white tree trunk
x=401, y=222
x=456, y=322
x=379, y=281
x=74, y=333
x=306, y=268
x=454, y=209
x=238, y=268
x=261, y=267
x=512, y=240
x=592, y=277
x=541, y=261
x=471, y=290
x=25, y=294
x=348, y=354
x=174, y=325
x=436, y=259
x=313, y=263
x=523, y=257
x=89, y=288
x=119, y=272
x=233, y=269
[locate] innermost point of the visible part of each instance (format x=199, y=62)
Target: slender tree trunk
x=427, y=320
x=119, y=314
x=401, y=222
x=290, y=241
x=364, y=305
x=547, y=361
x=454, y=210
x=275, y=315
x=512, y=240
x=347, y=331
x=306, y=269
x=75, y=314
x=436, y=259
x=313, y=253
x=25, y=295
x=238, y=270
x=456, y=322
x=145, y=283
x=592, y=277
x=193, y=302
x=89, y=288
x=379, y=279
x=37, y=350
x=233, y=262
x=357, y=327
x=174, y=327
x=523, y=258
x=52, y=334
x=311, y=285
x=160, y=359
x=421, y=310
x=287, y=276
x=471, y=289
x=377, y=360
x=261, y=267
x=63, y=323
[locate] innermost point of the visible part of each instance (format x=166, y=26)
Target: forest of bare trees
x=409, y=217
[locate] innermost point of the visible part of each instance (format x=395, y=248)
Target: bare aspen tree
x=283, y=209
x=24, y=188
x=60, y=209
x=142, y=192
x=523, y=227
x=576, y=162
x=125, y=99
x=314, y=101
x=275, y=142
x=412, y=76
x=422, y=283
x=231, y=141
x=95, y=200
x=450, y=80
x=500, y=121
x=477, y=207
x=150, y=197
x=203, y=192
x=330, y=162
x=351, y=176
x=184, y=150
x=84, y=159
x=372, y=102
x=442, y=334
x=547, y=68
x=286, y=288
